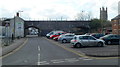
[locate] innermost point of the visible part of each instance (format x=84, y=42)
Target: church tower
x=103, y=14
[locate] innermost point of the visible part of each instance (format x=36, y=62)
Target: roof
x=81, y=35
x=7, y=19
x=117, y=17
x=69, y=34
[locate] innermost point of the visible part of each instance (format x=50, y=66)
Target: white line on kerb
x=38, y=56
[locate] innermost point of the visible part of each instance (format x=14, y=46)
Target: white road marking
x=43, y=63
x=65, y=60
x=72, y=60
x=38, y=48
x=69, y=60
x=58, y=61
x=38, y=56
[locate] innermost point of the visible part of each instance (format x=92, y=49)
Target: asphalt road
x=39, y=51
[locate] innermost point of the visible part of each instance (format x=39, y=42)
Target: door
x=69, y=37
x=84, y=40
x=115, y=39
x=92, y=41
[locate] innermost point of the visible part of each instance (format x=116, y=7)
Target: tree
x=83, y=16
x=99, y=24
x=95, y=25
x=107, y=24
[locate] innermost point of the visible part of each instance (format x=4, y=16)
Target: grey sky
x=55, y=9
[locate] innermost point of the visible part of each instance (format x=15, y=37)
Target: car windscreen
x=51, y=33
x=106, y=36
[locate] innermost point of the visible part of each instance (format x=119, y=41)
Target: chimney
x=17, y=14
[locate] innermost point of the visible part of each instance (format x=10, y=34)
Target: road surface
x=40, y=51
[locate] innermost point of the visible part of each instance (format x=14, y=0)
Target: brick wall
x=116, y=26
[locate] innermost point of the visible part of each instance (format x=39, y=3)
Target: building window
x=114, y=24
x=119, y=21
x=115, y=29
x=115, y=21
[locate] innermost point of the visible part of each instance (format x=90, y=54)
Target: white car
x=86, y=40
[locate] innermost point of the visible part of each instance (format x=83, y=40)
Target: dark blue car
x=113, y=39
x=97, y=35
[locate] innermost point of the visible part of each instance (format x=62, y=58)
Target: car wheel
x=78, y=45
x=100, y=44
x=109, y=42
x=64, y=41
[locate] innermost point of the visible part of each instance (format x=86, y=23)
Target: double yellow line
x=80, y=54
x=1, y=57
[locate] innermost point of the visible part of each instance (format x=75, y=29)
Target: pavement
x=107, y=51
x=8, y=49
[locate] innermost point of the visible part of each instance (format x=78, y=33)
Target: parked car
x=97, y=35
x=57, y=34
x=51, y=33
x=66, y=37
x=87, y=33
x=111, y=39
x=2, y=37
x=56, y=38
x=86, y=40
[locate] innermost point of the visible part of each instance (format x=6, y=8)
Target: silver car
x=86, y=40
x=66, y=37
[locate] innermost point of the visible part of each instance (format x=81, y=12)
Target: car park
x=86, y=40
x=57, y=34
x=52, y=32
x=111, y=39
x=66, y=37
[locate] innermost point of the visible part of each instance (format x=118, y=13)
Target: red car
x=57, y=34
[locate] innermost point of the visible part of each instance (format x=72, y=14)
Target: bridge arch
x=67, y=26
x=32, y=30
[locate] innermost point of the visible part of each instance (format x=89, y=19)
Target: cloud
x=44, y=9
